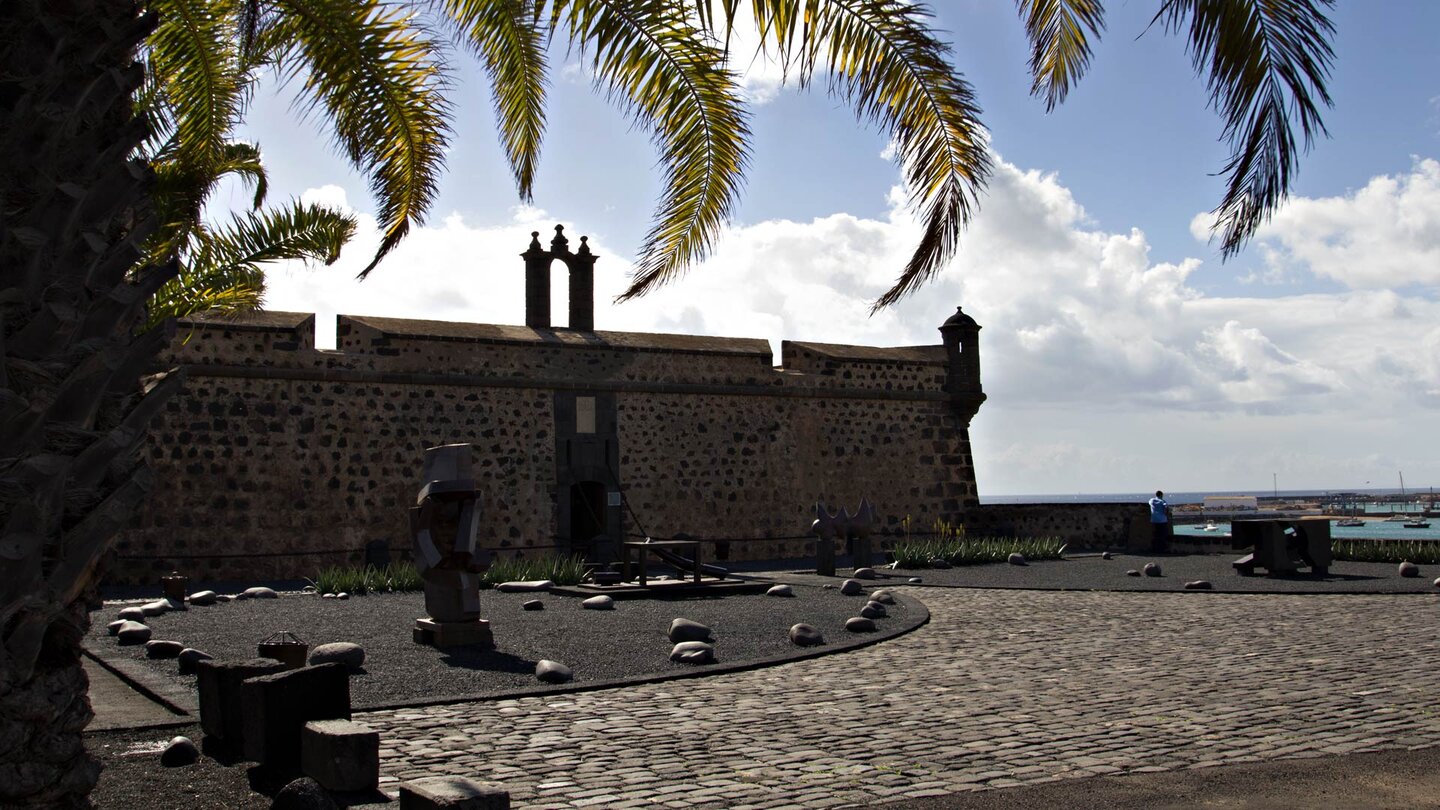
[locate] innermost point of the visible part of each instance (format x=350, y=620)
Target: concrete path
x=118, y=704
x=1002, y=689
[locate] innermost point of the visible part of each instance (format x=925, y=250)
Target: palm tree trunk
x=73, y=211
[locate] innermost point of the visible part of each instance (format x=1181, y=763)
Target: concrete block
x=452, y=793
x=277, y=707
x=221, y=710
x=341, y=755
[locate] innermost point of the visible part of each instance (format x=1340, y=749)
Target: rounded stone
x=225, y=597
x=940, y=563
x=308, y=589
x=682, y=630
x=131, y=614
x=1132, y=573
x=133, y=633
x=871, y=611
x=533, y=604
x=1107, y=556
x=860, y=624
x=864, y=573
x=879, y=606
x=914, y=580
x=339, y=652
x=190, y=658
x=1016, y=558
x=342, y=595
x=1437, y=582
x=780, y=590
x=303, y=794
x=1152, y=570
x=155, y=608
x=175, y=604
x=524, y=587
x=163, y=649
x=181, y=751
x=203, y=598
x=548, y=671
x=260, y=592
x=852, y=587
x=327, y=596
x=1409, y=569
x=805, y=635
x=882, y=596
x=114, y=627
x=1199, y=585
x=601, y=602
x=693, y=652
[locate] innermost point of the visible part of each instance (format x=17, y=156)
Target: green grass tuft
x=1420, y=552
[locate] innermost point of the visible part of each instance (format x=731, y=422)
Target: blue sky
x=1119, y=352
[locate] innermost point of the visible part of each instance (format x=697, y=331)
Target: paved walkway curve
x=1001, y=688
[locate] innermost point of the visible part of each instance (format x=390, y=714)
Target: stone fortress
x=279, y=459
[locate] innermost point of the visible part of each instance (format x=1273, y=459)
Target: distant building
x=1231, y=503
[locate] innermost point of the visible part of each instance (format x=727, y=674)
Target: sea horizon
x=1184, y=497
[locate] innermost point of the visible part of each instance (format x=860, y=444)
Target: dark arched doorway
x=587, y=516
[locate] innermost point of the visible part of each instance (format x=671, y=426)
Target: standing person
x=1159, y=523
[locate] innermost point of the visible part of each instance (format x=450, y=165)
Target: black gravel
x=624, y=644
x=1090, y=572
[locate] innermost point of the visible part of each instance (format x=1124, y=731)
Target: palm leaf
x=201, y=86
x=378, y=77
x=1059, y=33
x=650, y=57
x=1264, y=60
x=505, y=35
x=225, y=274
x=882, y=59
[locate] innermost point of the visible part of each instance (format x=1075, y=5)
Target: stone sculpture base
x=453, y=634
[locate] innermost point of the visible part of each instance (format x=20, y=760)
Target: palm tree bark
x=74, y=210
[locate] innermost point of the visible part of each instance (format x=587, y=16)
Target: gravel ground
x=133, y=778
x=1089, y=572
x=624, y=644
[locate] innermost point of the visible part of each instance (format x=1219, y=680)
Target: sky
x=1118, y=351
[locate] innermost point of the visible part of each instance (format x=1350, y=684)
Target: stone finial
x=584, y=246
x=535, y=241
x=559, y=245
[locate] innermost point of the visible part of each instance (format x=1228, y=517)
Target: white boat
x=1351, y=522
x=1417, y=523
x=1210, y=527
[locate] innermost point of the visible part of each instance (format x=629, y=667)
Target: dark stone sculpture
x=443, y=527
x=856, y=530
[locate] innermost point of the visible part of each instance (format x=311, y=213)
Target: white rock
x=601, y=602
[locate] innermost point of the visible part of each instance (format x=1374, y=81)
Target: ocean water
x=1372, y=530
x=1178, y=498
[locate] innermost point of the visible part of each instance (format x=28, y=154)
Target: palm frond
x=378, y=76
x=243, y=159
x=882, y=58
x=226, y=274
x=667, y=74
x=1060, y=32
x=506, y=36
x=196, y=67
x=1264, y=61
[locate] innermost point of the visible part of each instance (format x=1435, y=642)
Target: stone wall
x=1081, y=525
x=279, y=459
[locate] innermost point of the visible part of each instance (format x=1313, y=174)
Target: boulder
x=190, y=658
x=203, y=598
x=940, y=563
x=1409, y=569
x=693, y=652
x=327, y=596
x=259, y=592
x=1152, y=570
x=163, y=649
x=155, y=608
x=133, y=633
x=1107, y=556
x=914, y=580
x=804, y=635
x=1016, y=558
x=1132, y=573
x=864, y=573
x=525, y=587
x=175, y=604
x=1437, y=582
x=131, y=614
x=339, y=652
x=548, y=671
x=686, y=630
x=181, y=751
x=780, y=590
x=878, y=606
x=532, y=604
x=1199, y=585
x=342, y=595
x=871, y=610
x=303, y=794
x=114, y=627
x=882, y=596
x=225, y=597
x=860, y=624
x=601, y=602
x=852, y=587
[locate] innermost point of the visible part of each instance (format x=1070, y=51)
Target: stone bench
x=341, y=755
x=452, y=793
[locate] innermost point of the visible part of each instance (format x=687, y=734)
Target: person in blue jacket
x=1159, y=523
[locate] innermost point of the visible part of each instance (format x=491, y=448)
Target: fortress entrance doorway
x=587, y=517
x=587, y=473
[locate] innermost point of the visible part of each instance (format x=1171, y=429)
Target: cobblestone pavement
x=1002, y=688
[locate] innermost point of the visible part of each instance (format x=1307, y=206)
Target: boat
x=1351, y=522
x=1210, y=527
x=1417, y=523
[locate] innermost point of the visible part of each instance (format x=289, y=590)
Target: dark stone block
x=277, y=707
x=222, y=711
